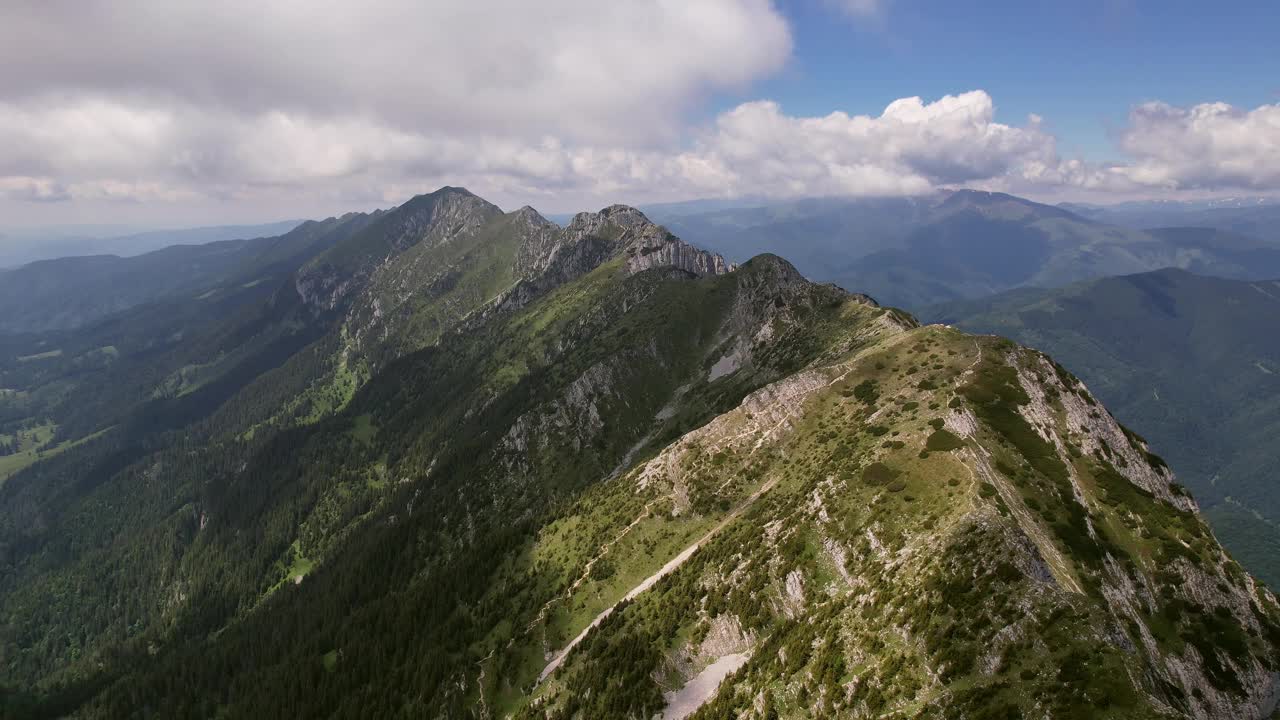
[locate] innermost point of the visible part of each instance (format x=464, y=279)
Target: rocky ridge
x=1075, y=548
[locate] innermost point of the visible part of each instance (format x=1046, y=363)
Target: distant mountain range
x=19, y=246
x=908, y=252
x=1192, y=362
x=68, y=292
x=1257, y=217
x=914, y=252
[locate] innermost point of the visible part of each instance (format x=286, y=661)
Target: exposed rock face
x=321, y=287
x=655, y=247
x=550, y=259
x=540, y=238
x=436, y=218
x=643, y=244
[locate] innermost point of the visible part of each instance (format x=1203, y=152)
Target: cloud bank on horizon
x=567, y=101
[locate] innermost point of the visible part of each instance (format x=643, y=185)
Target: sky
x=153, y=113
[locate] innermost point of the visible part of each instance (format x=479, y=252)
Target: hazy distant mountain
x=701, y=206
x=25, y=245
x=1191, y=362
x=1171, y=206
x=1252, y=217
x=71, y=291
x=913, y=252
x=458, y=462
x=817, y=234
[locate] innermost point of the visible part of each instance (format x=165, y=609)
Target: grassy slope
x=1193, y=363
x=888, y=542
x=426, y=413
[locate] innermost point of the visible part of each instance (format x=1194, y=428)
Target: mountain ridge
x=411, y=511
x=959, y=245
x=1189, y=361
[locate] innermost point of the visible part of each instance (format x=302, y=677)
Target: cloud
x=1209, y=146
x=32, y=189
x=754, y=148
x=151, y=100
x=564, y=103
x=581, y=69
x=912, y=147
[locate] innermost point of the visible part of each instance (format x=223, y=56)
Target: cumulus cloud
x=582, y=69
x=569, y=101
x=754, y=148
x=357, y=101
x=1208, y=146
x=912, y=147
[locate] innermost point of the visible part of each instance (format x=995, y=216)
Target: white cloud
x=912, y=147
x=174, y=151
x=581, y=69
x=358, y=101
x=1209, y=146
x=564, y=103
x=100, y=149
x=32, y=189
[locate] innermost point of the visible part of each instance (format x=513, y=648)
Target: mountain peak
x=620, y=210
x=452, y=190
x=770, y=264
x=623, y=216
x=445, y=195
x=998, y=205
x=652, y=246
x=531, y=217
x=434, y=218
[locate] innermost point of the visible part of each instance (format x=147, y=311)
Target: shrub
x=867, y=392
x=943, y=440
x=877, y=473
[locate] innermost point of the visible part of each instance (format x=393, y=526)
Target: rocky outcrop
x=550, y=259
x=662, y=249
x=540, y=238
x=643, y=244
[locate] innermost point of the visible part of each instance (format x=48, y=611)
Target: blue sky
x=147, y=112
x=1080, y=65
